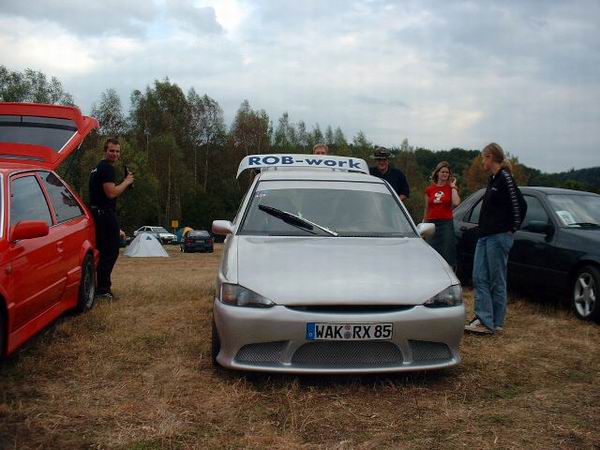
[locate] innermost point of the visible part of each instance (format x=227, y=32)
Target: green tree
x=329, y=136
x=302, y=137
x=208, y=132
x=31, y=86
x=109, y=113
x=285, y=136
x=340, y=144
x=251, y=131
x=315, y=137
x=361, y=146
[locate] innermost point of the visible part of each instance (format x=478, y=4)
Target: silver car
x=161, y=234
x=324, y=271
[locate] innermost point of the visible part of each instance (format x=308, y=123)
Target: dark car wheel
x=586, y=290
x=87, y=288
x=215, y=345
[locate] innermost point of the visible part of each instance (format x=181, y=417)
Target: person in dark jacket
x=502, y=212
x=103, y=203
x=395, y=177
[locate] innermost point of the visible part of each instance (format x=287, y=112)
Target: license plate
x=348, y=331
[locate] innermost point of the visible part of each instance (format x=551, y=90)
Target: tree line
x=185, y=157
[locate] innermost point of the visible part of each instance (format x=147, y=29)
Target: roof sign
x=304, y=161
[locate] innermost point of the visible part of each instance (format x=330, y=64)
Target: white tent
x=145, y=244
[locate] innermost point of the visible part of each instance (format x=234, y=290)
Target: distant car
x=197, y=241
x=47, y=235
x=556, y=251
x=324, y=271
x=161, y=234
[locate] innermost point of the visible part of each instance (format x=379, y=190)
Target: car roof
x=554, y=190
x=316, y=175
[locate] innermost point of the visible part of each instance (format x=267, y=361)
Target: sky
x=443, y=74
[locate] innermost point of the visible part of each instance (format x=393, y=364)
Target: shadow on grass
x=263, y=380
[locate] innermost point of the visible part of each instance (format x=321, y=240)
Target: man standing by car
x=383, y=170
x=103, y=201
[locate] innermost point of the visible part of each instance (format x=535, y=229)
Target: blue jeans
x=489, y=278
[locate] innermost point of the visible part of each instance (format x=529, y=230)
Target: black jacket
x=395, y=177
x=503, y=207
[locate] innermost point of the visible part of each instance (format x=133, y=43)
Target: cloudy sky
x=523, y=73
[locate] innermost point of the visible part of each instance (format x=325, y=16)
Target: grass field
x=136, y=374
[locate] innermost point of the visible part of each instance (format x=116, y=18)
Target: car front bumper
x=198, y=247
x=274, y=340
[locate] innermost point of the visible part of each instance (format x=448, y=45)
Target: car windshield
x=198, y=234
x=577, y=211
x=348, y=209
x=159, y=230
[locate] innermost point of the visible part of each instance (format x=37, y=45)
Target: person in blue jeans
x=502, y=212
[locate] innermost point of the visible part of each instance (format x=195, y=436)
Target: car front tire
x=586, y=291
x=87, y=288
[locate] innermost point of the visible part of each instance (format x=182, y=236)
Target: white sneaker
x=475, y=326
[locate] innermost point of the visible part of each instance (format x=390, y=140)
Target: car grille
x=351, y=309
x=425, y=351
x=261, y=354
x=347, y=354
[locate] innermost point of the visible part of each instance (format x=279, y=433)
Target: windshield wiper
x=294, y=220
x=585, y=224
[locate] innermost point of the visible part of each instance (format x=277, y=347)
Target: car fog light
x=236, y=295
x=451, y=296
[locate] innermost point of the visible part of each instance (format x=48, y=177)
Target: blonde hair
x=321, y=145
x=498, y=155
x=440, y=166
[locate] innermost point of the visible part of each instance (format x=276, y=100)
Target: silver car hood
x=315, y=270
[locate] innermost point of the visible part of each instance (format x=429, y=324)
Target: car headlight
x=451, y=296
x=236, y=295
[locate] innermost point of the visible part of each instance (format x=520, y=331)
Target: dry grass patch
x=136, y=374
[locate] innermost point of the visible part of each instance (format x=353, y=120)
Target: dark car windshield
x=576, y=211
x=198, y=233
x=348, y=209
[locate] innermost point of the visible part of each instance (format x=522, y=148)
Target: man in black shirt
x=395, y=177
x=103, y=201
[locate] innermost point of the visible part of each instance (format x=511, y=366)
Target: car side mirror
x=539, y=226
x=426, y=230
x=29, y=229
x=223, y=227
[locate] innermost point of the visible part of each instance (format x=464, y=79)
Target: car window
x=27, y=201
x=65, y=205
x=474, y=216
x=47, y=131
x=160, y=230
x=350, y=209
x=535, y=212
x=199, y=234
x=576, y=210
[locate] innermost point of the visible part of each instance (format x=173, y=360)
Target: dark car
x=197, y=241
x=556, y=251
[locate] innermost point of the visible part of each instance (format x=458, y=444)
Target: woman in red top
x=440, y=198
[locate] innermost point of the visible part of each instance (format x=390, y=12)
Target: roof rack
x=304, y=161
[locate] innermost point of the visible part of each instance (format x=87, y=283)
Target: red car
x=47, y=237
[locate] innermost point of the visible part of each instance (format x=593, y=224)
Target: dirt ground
x=136, y=374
